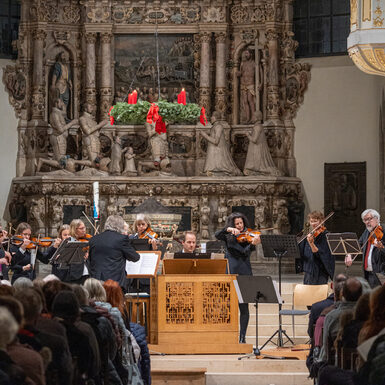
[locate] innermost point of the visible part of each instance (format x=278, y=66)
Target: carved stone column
x=105, y=81
x=38, y=106
x=204, y=88
x=273, y=77
x=90, y=89
x=220, y=74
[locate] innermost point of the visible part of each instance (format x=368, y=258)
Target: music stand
x=343, y=243
x=278, y=246
x=70, y=253
x=192, y=255
x=256, y=289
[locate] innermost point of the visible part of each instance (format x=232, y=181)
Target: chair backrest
x=306, y=295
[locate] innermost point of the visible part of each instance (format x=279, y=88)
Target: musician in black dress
x=238, y=256
x=318, y=262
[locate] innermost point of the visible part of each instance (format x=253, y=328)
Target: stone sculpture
x=158, y=141
x=115, y=166
x=248, y=96
x=129, y=163
x=218, y=158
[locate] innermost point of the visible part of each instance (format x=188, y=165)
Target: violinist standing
x=373, y=240
x=318, y=262
x=21, y=253
x=238, y=256
x=5, y=256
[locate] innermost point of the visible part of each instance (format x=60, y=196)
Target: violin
x=319, y=231
x=148, y=234
x=247, y=235
x=18, y=240
x=377, y=234
x=316, y=228
x=86, y=238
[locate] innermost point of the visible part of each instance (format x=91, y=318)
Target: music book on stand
x=70, y=252
x=146, y=267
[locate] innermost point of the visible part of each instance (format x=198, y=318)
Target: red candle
x=182, y=97
x=134, y=97
x=129, y=101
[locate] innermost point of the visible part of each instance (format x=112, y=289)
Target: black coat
x=378, y=255
x=109, y=252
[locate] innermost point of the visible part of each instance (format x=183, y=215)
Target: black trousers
x=371, y=277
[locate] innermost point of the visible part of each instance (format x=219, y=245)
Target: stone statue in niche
x=58, y=133
x=205, y=217
x=61, y=83
x=129, y=163
x=111, y=206
x=115, y=166
x=36, y=212
x=158, y=141
x=258, y=159
x=246, y=74
x=218, y=159
x=90, y=134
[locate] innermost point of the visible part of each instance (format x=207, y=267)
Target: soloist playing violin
x=372, y=242
x=238, y=255
x=318, y=262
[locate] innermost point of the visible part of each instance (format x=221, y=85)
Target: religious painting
x=345, y=194
x=137, y=65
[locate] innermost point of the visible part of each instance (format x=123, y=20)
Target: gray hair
x=95, y=290
x=22, y=283
x=114, y=223
x=8, y=327
x=375, y=214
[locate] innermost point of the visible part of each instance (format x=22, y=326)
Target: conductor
x=109, y=252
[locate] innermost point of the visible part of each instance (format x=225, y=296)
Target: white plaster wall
x=338, y=122
x=8, y=144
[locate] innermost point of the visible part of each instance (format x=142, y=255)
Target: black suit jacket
x=108, y=254
x=378, y=255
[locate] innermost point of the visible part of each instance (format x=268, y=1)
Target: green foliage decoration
x=124, y=113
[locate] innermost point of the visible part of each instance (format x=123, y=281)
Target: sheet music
x=146, y=265
x=238, y=291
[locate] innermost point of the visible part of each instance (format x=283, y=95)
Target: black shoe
x=242, y=339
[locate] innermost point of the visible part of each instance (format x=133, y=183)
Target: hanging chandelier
x=366, y=42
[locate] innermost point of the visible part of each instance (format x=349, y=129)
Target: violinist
x=5, y=256
x=63, y=234
x=142, y=228
x=238, y=256
x=372, y=242
x=77, y=273
x=21, y=253
x=317, y=260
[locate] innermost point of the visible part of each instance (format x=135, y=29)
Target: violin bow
x=96, y=229
x=317, y=227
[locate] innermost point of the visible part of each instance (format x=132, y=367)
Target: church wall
x=8, y=144
x=338, y=122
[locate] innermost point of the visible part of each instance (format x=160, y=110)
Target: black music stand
x=70, y=253
x=192, y=255
x=256, y=289
x=278, y=246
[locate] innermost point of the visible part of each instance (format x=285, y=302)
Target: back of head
x=352, y=290
x=8, y=327
x=338, y=284
x=51, y=289
x=66, y=306
x=32, y=305
x=22, y=283
x=95, y=290
x=115, y=223
x=362, y=308
x=114, y=294
x=81, y=294
x=6, y=290
x=14, y=307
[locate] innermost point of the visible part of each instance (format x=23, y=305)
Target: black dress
x=238, y=256
x=319, y=266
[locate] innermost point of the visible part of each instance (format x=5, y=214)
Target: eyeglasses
x=367, y=219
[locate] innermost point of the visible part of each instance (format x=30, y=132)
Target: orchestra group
x=109, y=250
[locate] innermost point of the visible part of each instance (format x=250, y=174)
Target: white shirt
x=370, y=266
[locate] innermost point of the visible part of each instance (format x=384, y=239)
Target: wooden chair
x=304, y=296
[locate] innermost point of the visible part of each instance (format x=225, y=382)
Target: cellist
x=318, y=262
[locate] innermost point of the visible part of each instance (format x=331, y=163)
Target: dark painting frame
x=345, y=194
